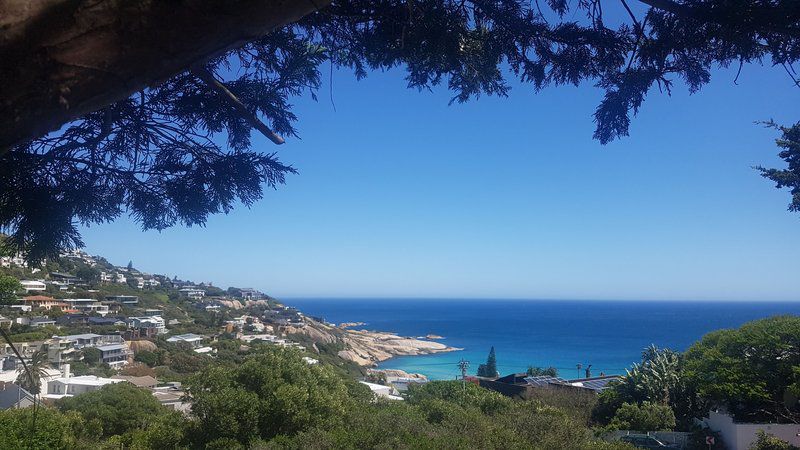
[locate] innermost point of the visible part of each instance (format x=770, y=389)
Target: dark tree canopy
x=489, y=369
x=179, y=151
x=789, y=177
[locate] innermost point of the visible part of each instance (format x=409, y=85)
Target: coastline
x=367, y=348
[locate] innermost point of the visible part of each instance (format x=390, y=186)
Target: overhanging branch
x=212, y=82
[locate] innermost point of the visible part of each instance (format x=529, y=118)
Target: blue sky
x=400, y=194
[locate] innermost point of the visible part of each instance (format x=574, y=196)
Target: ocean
x=609, y=335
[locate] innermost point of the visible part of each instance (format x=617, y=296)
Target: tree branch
x=209, y=79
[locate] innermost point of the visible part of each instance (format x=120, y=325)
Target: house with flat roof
x=112, y=321
x=33, y=286
x=146, y=326
x=87, y=305
x=127, y=300
x=69, y=386
x=115, y=355
x=194, y=340
x=193, y=293
x=84, y=340
x=38, y=322
x=61, y=352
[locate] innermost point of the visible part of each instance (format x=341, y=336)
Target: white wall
x=740, y=436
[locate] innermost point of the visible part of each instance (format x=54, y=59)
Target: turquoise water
x=609, y=335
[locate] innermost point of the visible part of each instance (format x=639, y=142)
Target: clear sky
x=400, y=195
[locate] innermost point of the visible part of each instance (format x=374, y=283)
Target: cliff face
x=366, y=348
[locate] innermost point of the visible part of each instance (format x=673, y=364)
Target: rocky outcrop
x=367, y=348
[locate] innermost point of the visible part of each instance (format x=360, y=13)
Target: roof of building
x=145, y=381
x=188, y=337
x=168, y=396
x=11, y=394
x=37, y=298
x=544, y=380
x=595, y=383
x=111, y=347
x=42, y=320
x=75, y=337
x=87, y=380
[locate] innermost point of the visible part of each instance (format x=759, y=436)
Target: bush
x=117, y=408
x=644, y=417
x=54, y=430
x=271, y=393
x=91, y=355
x=469, y=394
x=769, y=442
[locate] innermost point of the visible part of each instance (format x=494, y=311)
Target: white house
x=33, y=286
x=148, y=326
x=382, y=391
x=88, y=305
x=740, y=436
x=193, y=293
x=195, y=340
x=68, y=386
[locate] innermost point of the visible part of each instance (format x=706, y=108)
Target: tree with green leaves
x=91, y=355
x=173, y=143
x=789, y=178
x=273, y=392
x=753, y=371
x=30, y=375
x=645, y=416
x=489, y=370
x=88, y=274
x=117, y=407
x=534, y=371
x=769, y=442
x=8, y=289
x=659, y=379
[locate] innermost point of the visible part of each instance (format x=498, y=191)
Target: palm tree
x=37, y=366
x=655, y=377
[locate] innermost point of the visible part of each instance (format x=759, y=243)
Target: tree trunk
x=61, y=59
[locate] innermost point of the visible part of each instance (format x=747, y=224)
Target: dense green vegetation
x=753, y=372
x=273, y=399
x=261, y=396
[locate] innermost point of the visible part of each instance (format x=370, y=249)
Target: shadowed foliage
x=180, y=151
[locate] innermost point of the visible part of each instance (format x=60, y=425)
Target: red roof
x=38, y=298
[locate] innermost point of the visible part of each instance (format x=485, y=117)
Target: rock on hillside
x=366, y=348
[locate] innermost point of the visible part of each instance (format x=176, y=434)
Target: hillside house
x=12, y=396
x=115, y=355
x=192, y=293
x=87, y=305
x=61, y=352
x=33, y=286
x=44, y=302
x=69, y=386
x=146, y=326
x=194, y=340
x=38, y=322
x=125, y=300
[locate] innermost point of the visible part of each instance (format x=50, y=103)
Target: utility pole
x=463, y=365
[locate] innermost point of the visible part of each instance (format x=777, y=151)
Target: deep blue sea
x=609, y=335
